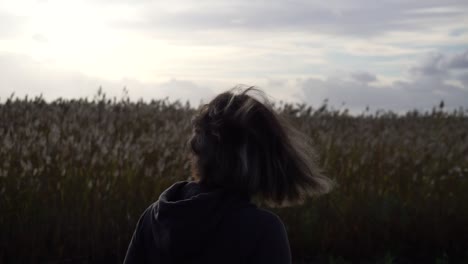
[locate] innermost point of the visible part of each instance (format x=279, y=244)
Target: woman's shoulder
x=259, y=217
x=263, y=236
x=264, y=214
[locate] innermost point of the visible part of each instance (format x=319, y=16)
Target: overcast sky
x=394, y=55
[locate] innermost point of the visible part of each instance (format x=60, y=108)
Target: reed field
x=75, y=175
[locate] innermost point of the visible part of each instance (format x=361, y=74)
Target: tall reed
x=76, y=174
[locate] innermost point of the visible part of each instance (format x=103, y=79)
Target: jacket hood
x=187, y=216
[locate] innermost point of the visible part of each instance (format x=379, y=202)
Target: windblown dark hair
x=241, y=144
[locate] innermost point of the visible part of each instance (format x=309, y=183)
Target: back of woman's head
x=241, y=144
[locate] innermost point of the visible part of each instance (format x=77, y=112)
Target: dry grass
x=75, y=175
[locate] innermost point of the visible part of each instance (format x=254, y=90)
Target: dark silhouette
x=240, y=150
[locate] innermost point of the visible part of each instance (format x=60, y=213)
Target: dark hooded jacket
x=192, y=224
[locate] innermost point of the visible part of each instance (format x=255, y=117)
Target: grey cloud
x=362, y=18
x=401, y=96
x=354, y=95
x=423, y=92
x=364, y=77
x=459, y=61
x=438, y=64
x=23, y=75
x=434, y=64
x=463, y=78
x=459, y=31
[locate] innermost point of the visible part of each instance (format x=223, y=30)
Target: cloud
x=343, y=18
x=431, y=84
x=434, y=65
x=182, y=90
x=464, y=79
x=23, y=75
x=186, y=50
x=458, y=61
x=354, y=95
x=364, y=77
x=401, y=96
x=442, y=66
x=357, y=89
